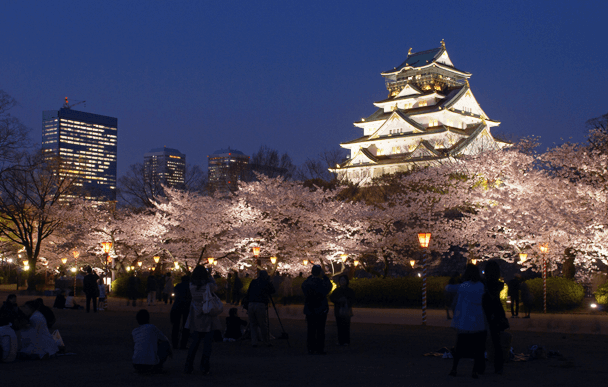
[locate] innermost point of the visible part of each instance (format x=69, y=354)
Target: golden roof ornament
x=409, y=52
x=442, y=44
x=466, y=81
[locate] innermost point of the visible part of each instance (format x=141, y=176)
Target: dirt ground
x=386, y=355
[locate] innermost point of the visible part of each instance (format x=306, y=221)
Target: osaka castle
x=430, y=116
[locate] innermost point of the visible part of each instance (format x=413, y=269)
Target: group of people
x=478, y=311
x=25, y=331
x=191, y=322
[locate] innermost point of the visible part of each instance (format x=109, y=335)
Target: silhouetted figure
x=495, y=313
x=91, y=290
x=233, y=325
x=133, y=288
x=343, y=298
x=526, y=298
x=513, y=293
x=316, y=288
x=179, y=313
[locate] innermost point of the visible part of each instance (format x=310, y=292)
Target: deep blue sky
x=201, y=75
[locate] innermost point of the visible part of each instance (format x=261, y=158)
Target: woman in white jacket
x=469, y=320
x=201, y=325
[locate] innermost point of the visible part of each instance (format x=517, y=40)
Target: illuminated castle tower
x=430, y=116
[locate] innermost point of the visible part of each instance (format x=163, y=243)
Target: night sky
x=201, y=75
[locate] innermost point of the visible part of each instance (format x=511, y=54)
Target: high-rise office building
x=166, y=166
x=226, y=168
x=86, y=144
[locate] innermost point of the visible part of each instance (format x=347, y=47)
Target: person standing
x=133, y=288
x=495, y=313
x=151, y=289
x=469, y=321
x=91, y=290
x=513, y=292
x=287, y=289
x=228, y=288
x=343, y=298
x=259, y=293
x=168, y=290
x=179, y=313
x=201, y=325
x=316, y=288
x=526, y=298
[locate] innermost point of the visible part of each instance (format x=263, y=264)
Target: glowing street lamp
x=73, y=270
x=343, y=257
x=64, y=260
x=176, y=264
x=412, y=263
x=211, y=260
x=156, y=259
x=544, y=248
x=474, y=261
x=273, y=260
x=256, y=251
x=523, y=257
x=356, y=263
x=305, y=262
x=139, y=263
x=424, y=238
x=26, y=262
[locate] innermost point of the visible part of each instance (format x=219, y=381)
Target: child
x=151, y=346
x=233, y=326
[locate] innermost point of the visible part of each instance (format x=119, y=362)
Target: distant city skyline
x=199, y=76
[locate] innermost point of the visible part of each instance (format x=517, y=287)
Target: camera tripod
x=283, y=336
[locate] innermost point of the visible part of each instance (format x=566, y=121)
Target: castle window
x=422, y=102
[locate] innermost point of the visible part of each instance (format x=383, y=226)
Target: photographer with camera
x=258, y=295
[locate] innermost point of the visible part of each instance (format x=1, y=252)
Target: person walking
x=201, y=325
x=151, y=289
x=513, y=293
x=259, y=293
x=316, y=288
x=179, y=313
x=495, y=313
x=91, y=290
x=343, y=298
x=469, y=321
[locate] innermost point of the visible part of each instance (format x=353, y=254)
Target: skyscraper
x=166, y=166
x=226, y=168
x=86, y=144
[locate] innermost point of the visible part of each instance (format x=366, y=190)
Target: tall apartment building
x=226, y=168
x=166, y=166
x=86, y=144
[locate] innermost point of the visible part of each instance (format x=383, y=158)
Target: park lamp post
x=273, y=260
x=211, y=260
x=256, y=254
x=523, y=257
x=106, y=249
x=75, y=254
x=156, y=261
x=176, y=265
x=544, y=248
x=424, y=238
x=305, y=262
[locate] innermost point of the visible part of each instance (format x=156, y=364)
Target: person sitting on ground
x=8, y=344
x=233, y=325
x=151, y=346
x=36, y=340
x=59, y=300
x=69, y=301
x=47, y=312
x=9, y=310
